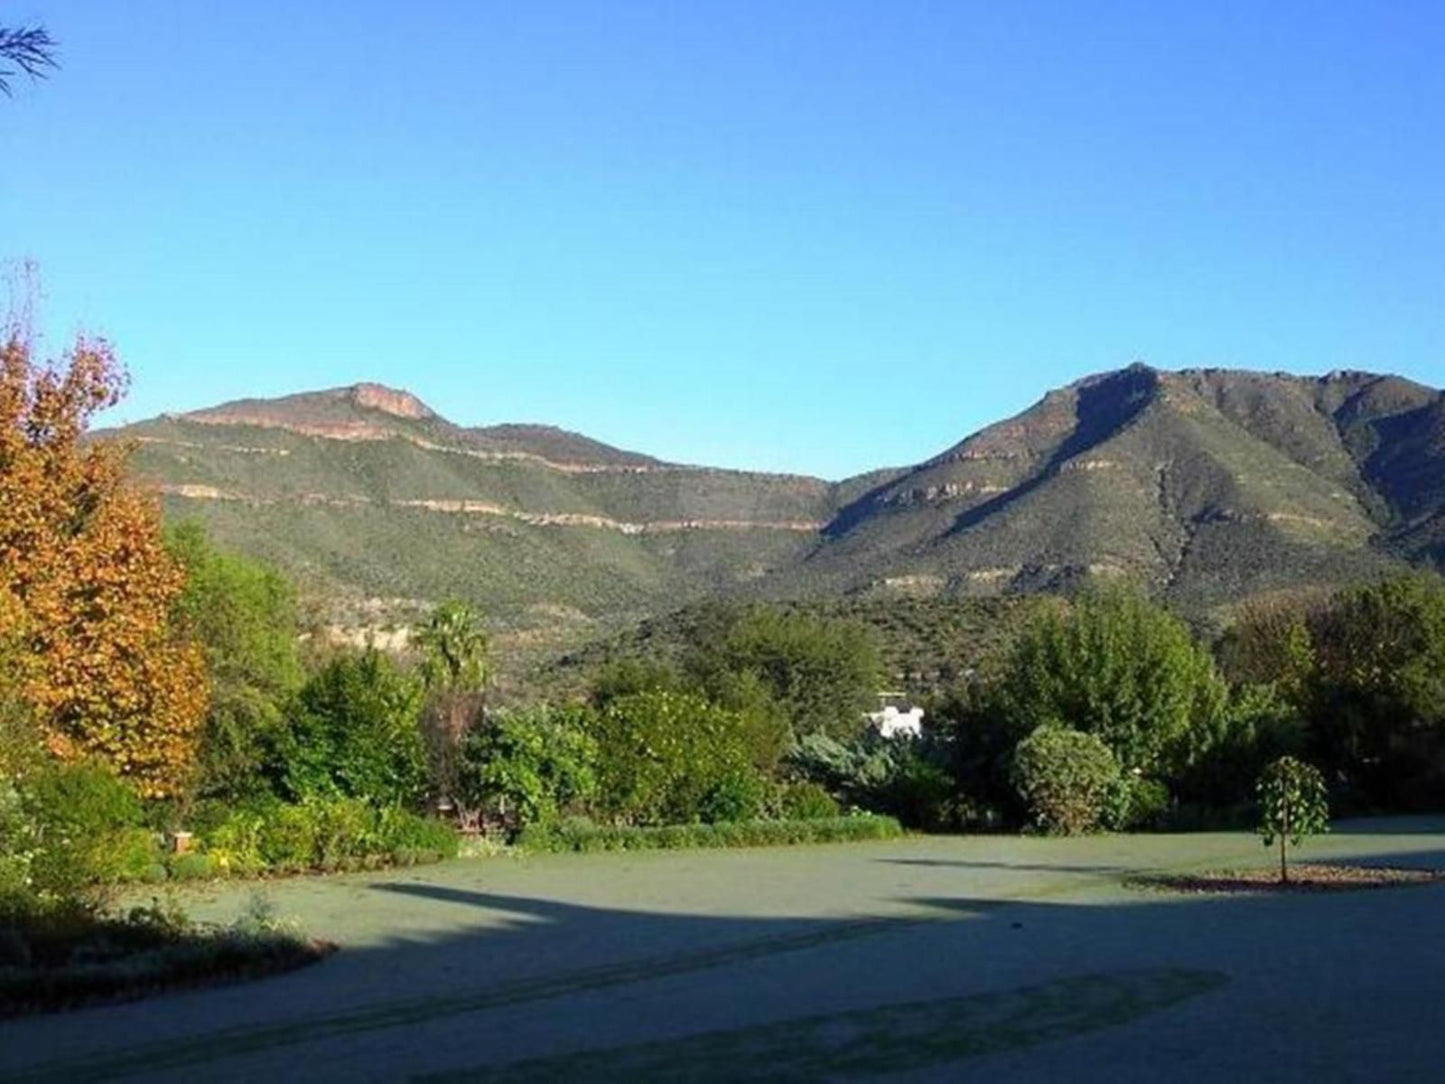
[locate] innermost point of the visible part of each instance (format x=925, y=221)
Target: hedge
x=584, y=837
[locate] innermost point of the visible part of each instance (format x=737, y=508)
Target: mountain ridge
x=1207, y=485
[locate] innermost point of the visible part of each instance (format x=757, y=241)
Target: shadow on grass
x=851, y=1002
x=1021, y=867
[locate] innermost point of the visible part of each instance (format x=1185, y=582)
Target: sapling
x=1292, y=805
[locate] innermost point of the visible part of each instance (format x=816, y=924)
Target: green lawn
x=945, y=957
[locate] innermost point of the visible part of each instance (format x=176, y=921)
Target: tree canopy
x=1119, y=667
x=88, y=584
x=246, y=617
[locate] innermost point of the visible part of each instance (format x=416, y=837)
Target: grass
x=867, y=1042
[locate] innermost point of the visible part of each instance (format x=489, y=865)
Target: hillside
x=1204, y=485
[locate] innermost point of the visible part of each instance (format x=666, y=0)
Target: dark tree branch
x=25, y=50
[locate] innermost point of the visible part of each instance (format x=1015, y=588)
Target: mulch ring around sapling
x=1302, y=878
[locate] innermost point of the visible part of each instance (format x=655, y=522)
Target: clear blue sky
x=818, y=237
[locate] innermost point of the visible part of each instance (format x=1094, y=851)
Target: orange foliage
x=85, y=578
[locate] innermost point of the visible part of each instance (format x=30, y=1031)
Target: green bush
x=661, y=754
x=921, y=795
x=407, y=839
x=138, y=856
x=520, y=769
x=355, y=733
x=1064, y=777
x=737, y=797
x=79, y=816
x=192, y=866
x=807, y=802
x=581, y=837
x=1133, y=804
x=318, y=834
x=288, y=838
x=345, y=830
x=234, y=845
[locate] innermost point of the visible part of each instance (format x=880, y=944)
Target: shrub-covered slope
x=1207, y=485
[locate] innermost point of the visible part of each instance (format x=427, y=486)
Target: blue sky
x=818, y=237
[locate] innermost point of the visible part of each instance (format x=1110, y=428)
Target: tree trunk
x=1283, y=866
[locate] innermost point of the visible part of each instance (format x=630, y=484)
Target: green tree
x=455, y=671
x=523, y=769
x=1292, y=805
x=245, y=616
x=1064, y=777
x=1375, y=700
x=822, y=673
x=1120, y=668
x=355, y=733
x=663, y=755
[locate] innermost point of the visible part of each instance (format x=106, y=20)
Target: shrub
x=1375, y=697
x=921, y=795
x=1064, y=777
x=1132, y=804
x=859, y=770
x=79, y=814
x=356, y=734
x=807, y=802
x=192, y=866
x=586, y=838
x=345, y=830
x=60, y=961
x=660, y=754
x=234, y=845
x=288, y=838
x=321, y=833
x=737, y=797
x=138, y=856
x=821, y=672
x=406, y=838
x=525, y=768
x=1259, y=726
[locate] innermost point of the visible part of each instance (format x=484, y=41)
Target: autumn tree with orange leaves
x=86, y=584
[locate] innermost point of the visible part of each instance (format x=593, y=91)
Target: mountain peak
x=394, y=401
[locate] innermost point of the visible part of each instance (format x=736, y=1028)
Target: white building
x=897, y=718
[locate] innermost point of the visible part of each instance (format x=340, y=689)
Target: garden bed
x=1320, y=877
x=52, y=963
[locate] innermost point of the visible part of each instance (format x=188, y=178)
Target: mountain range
x=1207, y=486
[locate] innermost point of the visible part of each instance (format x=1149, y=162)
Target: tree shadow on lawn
x=1021, y=867
x=1413, y=824
x=1067, y=969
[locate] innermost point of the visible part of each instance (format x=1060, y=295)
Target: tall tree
x=90, y=584
x=245, y=616
x=1121, y=668
x=823, y=673
x=455, y=671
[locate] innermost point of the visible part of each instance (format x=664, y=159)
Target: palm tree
x=454, y=650
x=456, y=671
